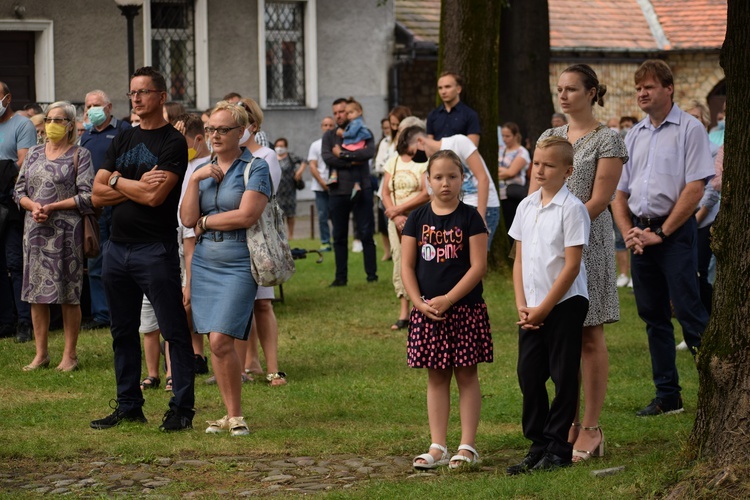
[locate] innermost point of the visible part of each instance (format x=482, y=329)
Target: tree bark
x=469, y=46
x=721, y=433
x=525, y=96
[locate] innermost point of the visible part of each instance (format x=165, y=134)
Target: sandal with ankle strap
x=576, y=428
x=150, y=383
x=583, y=455
x=461, y=460
x=431, y=463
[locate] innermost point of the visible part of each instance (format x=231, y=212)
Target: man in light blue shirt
x=17, y=135
x=657, y=196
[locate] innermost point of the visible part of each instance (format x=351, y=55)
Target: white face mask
x=245, y=136
x=3, y=107
x=281, y=150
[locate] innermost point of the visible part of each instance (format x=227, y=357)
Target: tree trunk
x=721, y=433
x=525, y=96
x=469, y=46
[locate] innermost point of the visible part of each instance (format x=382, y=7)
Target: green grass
x=350, y=392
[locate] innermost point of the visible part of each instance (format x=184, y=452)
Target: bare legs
x=40, y=323
x=438, y=405
x=290, y=226
x=595, y=371
x=386, y=247
x=266, y=330
x=226, y=365
x=71, y=314
x=152, y=352
x=71, y=325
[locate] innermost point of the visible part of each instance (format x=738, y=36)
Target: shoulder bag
x=271, y=259
x=91, y=241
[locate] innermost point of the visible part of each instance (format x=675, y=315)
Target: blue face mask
x=97, y=115
x=721, y=124
x=88, y=126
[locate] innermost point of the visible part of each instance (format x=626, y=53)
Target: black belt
x=239, y=235
x=648, y=221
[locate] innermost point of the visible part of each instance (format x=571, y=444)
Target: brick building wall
x=695, y=76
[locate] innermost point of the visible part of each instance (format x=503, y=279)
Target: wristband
x=658, y=232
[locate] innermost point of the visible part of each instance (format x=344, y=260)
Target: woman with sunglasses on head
x=54, y=187
x=221, y=206
x=265, y=327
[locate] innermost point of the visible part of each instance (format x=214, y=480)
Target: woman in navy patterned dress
x=55, y=190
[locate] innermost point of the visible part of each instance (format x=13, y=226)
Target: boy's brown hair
x=562, y=145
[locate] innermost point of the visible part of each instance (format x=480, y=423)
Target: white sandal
x=462, y=460
x=431, y=462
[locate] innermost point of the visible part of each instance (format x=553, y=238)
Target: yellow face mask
x=192, y=152
x=55, y=131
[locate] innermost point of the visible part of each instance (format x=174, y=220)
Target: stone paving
x=165, y=477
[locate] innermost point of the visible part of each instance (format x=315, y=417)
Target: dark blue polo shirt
x=98, y=142
x=460, y=120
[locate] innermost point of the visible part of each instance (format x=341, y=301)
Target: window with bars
x=173, y=47
x=285, y=55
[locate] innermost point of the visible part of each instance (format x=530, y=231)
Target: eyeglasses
x=219, y=130
x=56, y=120
x=141, y=93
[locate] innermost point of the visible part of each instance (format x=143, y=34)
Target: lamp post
x=129, y=9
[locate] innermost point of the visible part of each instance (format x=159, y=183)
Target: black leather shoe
x=525, y=465
x=7, y=331
x=372, y=279
x=338, y=283
x=93, y=325
x=174, y=421
x=117, y=416
x=23, y=333
x=659, y=406
x=550, y=461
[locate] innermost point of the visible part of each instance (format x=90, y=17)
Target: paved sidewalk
x=251, y=476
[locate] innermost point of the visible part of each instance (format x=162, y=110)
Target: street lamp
x=129, y=9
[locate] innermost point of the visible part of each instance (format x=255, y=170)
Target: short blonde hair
x=238, y=112
x=254, y=113
x=565, y=148
x=70, y=114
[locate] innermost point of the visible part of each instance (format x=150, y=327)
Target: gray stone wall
x=90, y=46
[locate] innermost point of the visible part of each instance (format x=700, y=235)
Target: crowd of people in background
x=591, y=207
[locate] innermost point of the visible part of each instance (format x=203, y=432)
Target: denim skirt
x=222, y=288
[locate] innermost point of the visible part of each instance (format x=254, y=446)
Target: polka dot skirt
x=462, y=339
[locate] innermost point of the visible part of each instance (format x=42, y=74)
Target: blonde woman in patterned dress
x=599, y=156
x=55, y=193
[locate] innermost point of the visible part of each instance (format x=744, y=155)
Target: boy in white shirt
x=550, y=228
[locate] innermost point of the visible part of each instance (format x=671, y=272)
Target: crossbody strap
x=246, y=176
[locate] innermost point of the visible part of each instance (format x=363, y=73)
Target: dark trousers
x=99, y=309
x=339, y=208
x=704, y=259
x=130, y=270
x=663, y=272
x=552, y=351
x=11, y=260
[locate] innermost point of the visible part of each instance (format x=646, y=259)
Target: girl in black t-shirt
x=444, y=257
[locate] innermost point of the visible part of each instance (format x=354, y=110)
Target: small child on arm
x=355, y=136
x=443, y=261
x=551, y=228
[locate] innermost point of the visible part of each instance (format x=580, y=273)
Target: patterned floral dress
x=599, y=255
x=53, y=249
